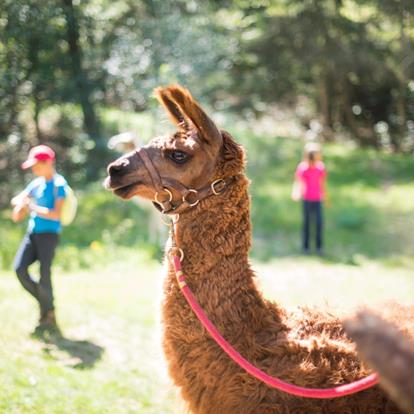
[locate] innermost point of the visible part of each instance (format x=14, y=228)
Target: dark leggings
x=41, y=247
x=312, y=213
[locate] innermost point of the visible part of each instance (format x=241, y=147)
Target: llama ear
x=181, y=102
x=172, y=109
x=233, y=155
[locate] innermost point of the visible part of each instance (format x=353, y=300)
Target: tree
x=337, y=53
x=83, y=85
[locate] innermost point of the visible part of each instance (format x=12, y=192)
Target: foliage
x=64, y=64
x=352, y=58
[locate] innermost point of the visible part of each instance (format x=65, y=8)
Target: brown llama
x=305, y=347
x=389, y=352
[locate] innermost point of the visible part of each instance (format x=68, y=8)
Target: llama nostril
x=117, y=167
x=114, y=169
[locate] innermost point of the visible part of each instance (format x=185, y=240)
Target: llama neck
x=216, y=239
x=216, y=234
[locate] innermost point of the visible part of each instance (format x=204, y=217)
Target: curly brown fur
x=389, y=352
x=306, y=348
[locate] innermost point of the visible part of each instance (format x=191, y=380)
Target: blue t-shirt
x=45, y=193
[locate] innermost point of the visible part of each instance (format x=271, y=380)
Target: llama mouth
x=122, y=191
x=157, y=206
x=127, y=191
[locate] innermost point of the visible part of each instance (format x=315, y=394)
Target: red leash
x=339, y=391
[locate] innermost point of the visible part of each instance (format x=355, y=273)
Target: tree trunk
x=37, y=108
x=402, y=84
x=33, y=74
x=326, y=107
x=365, y=135
x=324, y=101
x=90, y=120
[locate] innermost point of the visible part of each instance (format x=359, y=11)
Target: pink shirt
x=312, y=179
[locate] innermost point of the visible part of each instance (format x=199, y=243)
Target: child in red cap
x=43, y=198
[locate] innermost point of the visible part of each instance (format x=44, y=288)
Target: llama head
x=196, y=155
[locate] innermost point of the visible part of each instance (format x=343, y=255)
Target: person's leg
x=46, y=244
x=306, y=224
x=311, y=208
x=319, y=226
x=25, y=256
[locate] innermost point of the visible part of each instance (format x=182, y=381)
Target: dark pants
x=41, y=247
x=312, y=217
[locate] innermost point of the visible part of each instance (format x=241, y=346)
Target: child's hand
x=19, y=212
x=296, y=191
x=295, y=195
x=20, y=200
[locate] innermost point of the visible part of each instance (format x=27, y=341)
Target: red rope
x=339, y=391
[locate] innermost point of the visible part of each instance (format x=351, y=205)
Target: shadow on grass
x=78, y=354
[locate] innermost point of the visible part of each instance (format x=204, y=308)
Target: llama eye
x=179, y=157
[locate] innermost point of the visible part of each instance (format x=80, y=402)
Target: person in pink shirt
x=309, y=186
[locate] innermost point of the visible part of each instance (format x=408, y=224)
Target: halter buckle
x=213, y=186
x=160, y=203
x=185, y=197
x=176, y=250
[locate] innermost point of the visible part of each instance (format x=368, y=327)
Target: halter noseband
x=189, y=196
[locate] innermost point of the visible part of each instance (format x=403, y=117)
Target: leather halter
x=189, y=196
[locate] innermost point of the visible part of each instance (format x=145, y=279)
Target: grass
x=110, y=359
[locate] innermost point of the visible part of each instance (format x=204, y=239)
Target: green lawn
x=110, y=360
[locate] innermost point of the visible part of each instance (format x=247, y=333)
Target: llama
x=388, y=351
x=306, y=347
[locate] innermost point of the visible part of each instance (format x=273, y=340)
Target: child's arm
x=20, y=199
x=19, y=212
x=20, y=206
x=50, y=213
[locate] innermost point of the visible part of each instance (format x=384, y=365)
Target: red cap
x=38, y=153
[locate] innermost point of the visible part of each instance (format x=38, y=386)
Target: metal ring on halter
x=159, y=202
x=177, y=249
x=195, y=202
x=215, y=192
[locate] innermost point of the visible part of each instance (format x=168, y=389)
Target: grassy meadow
x=108, y=279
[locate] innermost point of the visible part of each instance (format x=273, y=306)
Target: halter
x=190, y=197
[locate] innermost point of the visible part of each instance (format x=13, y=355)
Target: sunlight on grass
x=314, y=281
x=110, y=359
